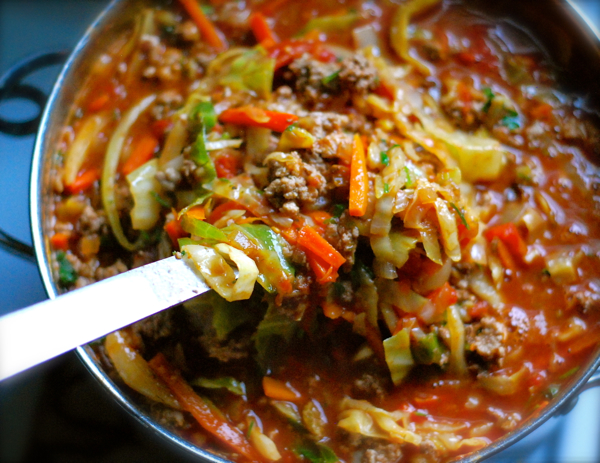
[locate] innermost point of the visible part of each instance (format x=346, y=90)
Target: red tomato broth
x=320, y=363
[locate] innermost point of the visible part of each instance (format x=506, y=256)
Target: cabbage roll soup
x=397, y=213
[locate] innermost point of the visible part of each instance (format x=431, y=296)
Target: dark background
x=57, y=412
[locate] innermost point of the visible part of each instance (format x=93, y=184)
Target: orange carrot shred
x=208, y=30
x=279, y=390
x=60, y=241
x=84, y=181
x=359, y=180
x=141, y=154
x=209, y=418
x=99, y=102
x=262, y=30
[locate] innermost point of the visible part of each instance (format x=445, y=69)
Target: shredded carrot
x=505, y=256
x=208, y=417
x=142, y=152
x=99, y=102
x=196, y=212
x=262, y=30
x=290, y=234
x=324, y=272
x=279, y=390
x=219, y=211
x=175, y=231
x=60, y=241
x=359, y=180
x=208, y=30
x=84, y=181
x=310, y=240
x=510, y=236
x=320, y=218
x=443, y=297
x=257, y=117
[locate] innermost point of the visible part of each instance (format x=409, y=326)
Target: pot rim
x=41, y=160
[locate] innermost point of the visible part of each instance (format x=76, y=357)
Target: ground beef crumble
x=293, y=183
x=487, y=338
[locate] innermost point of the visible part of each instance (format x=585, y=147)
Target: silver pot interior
x=559, y=30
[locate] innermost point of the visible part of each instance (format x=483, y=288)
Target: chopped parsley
x=315, y=452
x=338, y=210
x=385, y=159
x=552, y=391
x=386, y=188
x=160, y=200
x=569, y=373
x=67, y=275
x=409, y=182
x=511, y=121
x=208, y=9
x=461, y=215
x=327, y=80
x=490, y=96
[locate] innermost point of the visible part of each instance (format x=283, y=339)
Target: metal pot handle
x=594, y=381
x=12, y=87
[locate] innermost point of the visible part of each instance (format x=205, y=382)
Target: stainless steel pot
x=566, y=36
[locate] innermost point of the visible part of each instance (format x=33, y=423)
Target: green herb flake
x=461, y=215
x=67, y=275
x=338, y=210
x=552, y=391
x=204, y=112
x=386, y=188
x=385, y=159
x=490, y=96
x=511, y=121
x=569, y=373
x=409, y=182
x=208, y=9
x=160, y=200
x=546, y=272
x=250, y=429
x=316, y=452
x=328, y=80
x=291, y=127
x=420, y=413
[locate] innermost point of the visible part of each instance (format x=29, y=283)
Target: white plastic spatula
x=42, y=331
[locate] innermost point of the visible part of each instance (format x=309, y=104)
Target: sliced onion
x=221, y=144
x=85, y=138
x=109, y=172
x=458, y=362
x=135, y=371
x=143, y=185
x=218, y=273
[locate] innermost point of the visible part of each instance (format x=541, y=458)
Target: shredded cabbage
x=501, y=383
x=85, y=138
x=218, y=274
x=265, y=446
x=135, y=371
x=458, y=362
x=143, y=186
x=111, y=162
x=398, y=356
x=399, y=31
x=360, y=417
